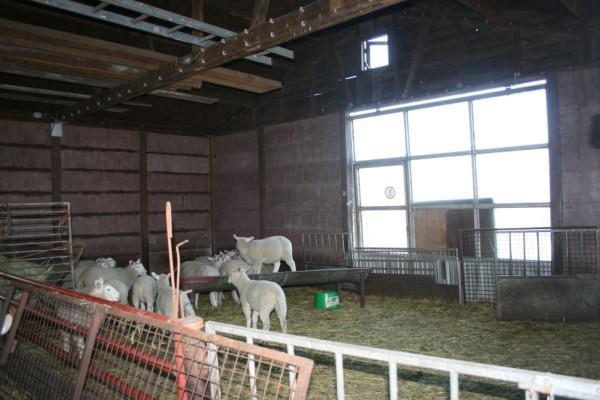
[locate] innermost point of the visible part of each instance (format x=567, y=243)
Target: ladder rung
x=176, y=28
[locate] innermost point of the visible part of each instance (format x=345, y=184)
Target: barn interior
x=441, y=156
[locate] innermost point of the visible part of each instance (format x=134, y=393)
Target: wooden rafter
x=484, y=9
x=313, y=17
x=260, y=13
x=576, y=8
x=89, y=49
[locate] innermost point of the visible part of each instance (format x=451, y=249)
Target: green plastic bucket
x=327, y=300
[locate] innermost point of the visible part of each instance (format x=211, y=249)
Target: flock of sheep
x=132, y=285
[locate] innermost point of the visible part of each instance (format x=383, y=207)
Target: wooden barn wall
x=303, y=178
x=578, y=191
x=236, y=187
x=178, y=170
x=117, y=182
x=282, y=179
x=25, y=162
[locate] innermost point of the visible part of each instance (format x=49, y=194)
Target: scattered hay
x=468, y=332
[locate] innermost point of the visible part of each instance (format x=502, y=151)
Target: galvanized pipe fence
x=487, y=254
x=533, y=383
x=36, y=241
x=439, y=266
x=64, y=344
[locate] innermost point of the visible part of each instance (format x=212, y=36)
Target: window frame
x=365, y=49
x=353, y=167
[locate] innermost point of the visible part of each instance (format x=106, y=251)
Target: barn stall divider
x=490, y=254
x=418, y=272
x=36, y=241
x=64, y=344
x=533, y=383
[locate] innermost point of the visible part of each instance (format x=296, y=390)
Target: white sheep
x=106, y=262
x=82, y=318
x=127, y=275
x=230, y=266
x=164, y=299
x=121, y=288
x=210, y=267
x=272, y=249
x=143, y=293
x=259, y=298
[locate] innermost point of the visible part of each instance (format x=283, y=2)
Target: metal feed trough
x=35, y=240
x=356, y=276
x=64, y=344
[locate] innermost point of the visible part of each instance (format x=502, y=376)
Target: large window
x=425, y=170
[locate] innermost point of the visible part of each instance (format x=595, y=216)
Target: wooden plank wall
x=25, y=162
x=303, y=178
x=100, y=178
x=117, y=182
x=282, y=179
x=178, y=170
x=236, y=187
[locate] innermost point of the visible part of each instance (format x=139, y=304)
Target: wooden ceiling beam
x=314, y=17
x=260, y=13
x=576, y=7
x=57, y=42
x=484, y=9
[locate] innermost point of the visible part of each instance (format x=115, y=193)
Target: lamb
x=230, y=266
x=143, y=293
x=121, y=288
x=200, y=268
x=272, y=249
x=164, y=299
x=259, y=298
x=78, y=317
x=83, y=265
x=127, y=275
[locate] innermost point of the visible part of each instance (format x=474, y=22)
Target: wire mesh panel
x=35, y=240
x=74, y=346
x=325, y=248
x=489, y=253
x=440, y=265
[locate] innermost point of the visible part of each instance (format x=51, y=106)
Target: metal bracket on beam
x=311, y=18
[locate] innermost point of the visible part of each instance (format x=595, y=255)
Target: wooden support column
x=144, y=231
x=344, y=173
x=261, y=180
x=56, y=170
x=211, y=193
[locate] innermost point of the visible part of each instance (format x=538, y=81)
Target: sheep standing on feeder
x=164, y=299
x=270, y=250
x=82, y=317
x=259, y=298
x=144, y=292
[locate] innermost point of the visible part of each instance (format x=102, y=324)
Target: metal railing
x=36, y=241
x=532, y=383
x=325, y=248
x=530, y=252
x=64, y=344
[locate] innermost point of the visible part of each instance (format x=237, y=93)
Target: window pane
x=447, y=178
x=379, y=137
x=511, y=120
x=439, y=129
x=384, y=228
x=518, y=245
x=376, y=52
x=514, y=177
x=381, y=186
